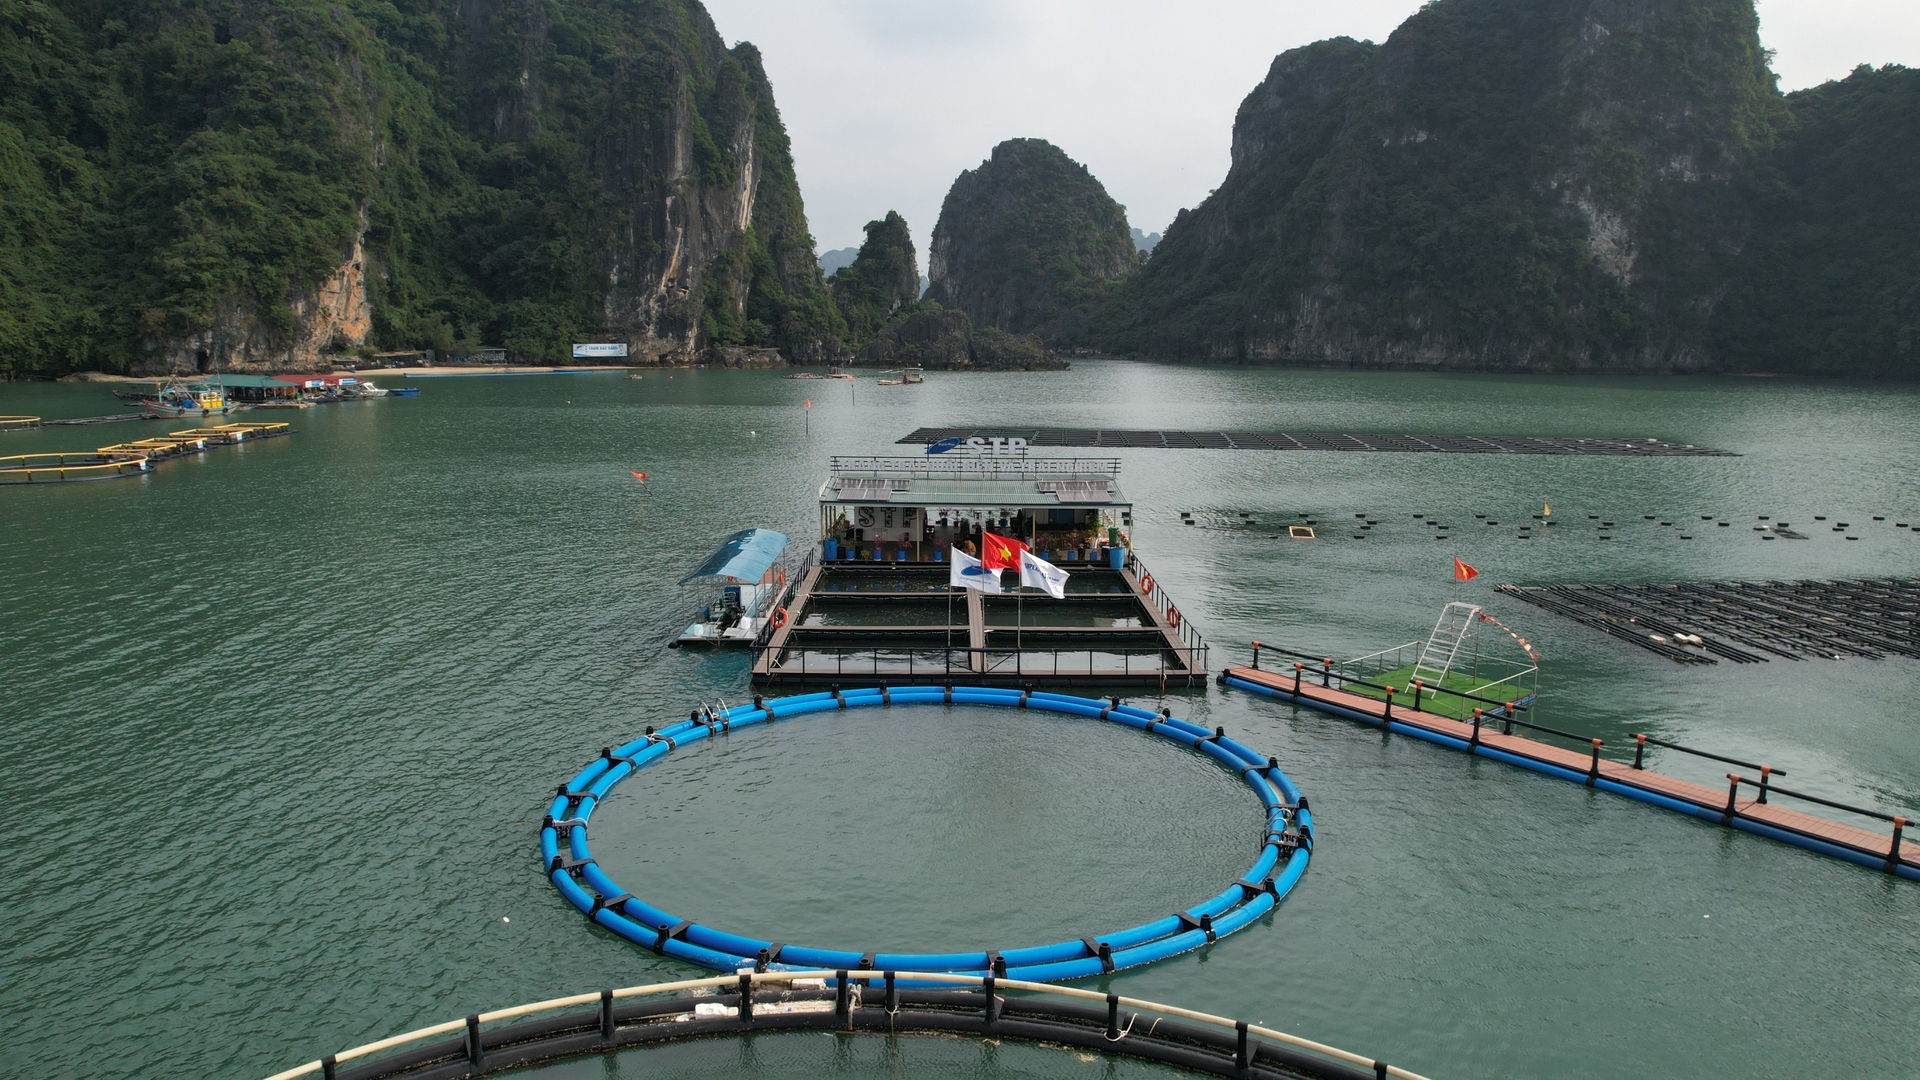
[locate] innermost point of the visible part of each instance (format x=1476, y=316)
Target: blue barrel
x=831, y=549
x=1116, y=557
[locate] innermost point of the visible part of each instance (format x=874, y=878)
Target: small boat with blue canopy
x=752, y=590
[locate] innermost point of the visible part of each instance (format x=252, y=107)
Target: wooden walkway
x=1740, y=809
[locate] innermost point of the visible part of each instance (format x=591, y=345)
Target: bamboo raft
x=1746, y=622
x=1744, y=805
x=129, y=458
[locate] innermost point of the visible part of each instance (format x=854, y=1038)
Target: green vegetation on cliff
x=882, y=279
x=1029, y=242
x=1504, y=183
x=1831, y=281
x=526, y=173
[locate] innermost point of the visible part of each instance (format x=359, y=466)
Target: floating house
x=875, y=603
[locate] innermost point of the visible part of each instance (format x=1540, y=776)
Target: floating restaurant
x=875, y=603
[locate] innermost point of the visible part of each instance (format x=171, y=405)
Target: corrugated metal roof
x=745, y=556
x=258, y=382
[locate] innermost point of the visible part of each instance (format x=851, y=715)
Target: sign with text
x=613, y=349
x=986, y=467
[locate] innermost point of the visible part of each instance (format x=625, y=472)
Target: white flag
x=1041, y=574
x=967, y=573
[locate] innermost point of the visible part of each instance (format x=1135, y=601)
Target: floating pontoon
x=874, y=602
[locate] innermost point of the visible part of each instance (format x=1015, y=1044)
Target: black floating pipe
x=476, y=1056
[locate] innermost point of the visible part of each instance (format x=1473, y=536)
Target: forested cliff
x=1600, y=185
x=254, y=184
x=1029, y=242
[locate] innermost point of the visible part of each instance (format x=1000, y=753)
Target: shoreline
x=443, y=370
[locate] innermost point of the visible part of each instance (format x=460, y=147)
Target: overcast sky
x=888, y=100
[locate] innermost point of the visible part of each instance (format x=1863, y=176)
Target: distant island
x=1502, y=185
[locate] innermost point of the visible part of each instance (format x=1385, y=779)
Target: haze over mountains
x=1540, y=185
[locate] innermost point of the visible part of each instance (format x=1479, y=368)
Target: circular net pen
x=1284, y=850
x=885, y=1003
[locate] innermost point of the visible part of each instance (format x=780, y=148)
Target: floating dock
x=1750, y=802
x=902, y=625
x=874, y=602
x=1746, y=622
x=1313, y=440
x=110, y=418
x=129, y=458
x=19, y=423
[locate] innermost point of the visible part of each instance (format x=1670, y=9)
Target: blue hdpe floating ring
x=1284, y=851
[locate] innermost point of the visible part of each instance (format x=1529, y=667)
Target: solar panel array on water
x=1746, y=621
x=1318, y=440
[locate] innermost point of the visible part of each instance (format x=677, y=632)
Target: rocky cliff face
x=1027, y=242
x=1517, y=184
x=882, y=279
x=1829, y=283
x=260, y=184
x=320, y=325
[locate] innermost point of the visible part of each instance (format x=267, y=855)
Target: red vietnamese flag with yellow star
x=1463, y=572
x=1000, y=553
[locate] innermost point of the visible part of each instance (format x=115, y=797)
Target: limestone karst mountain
x=1028, y=242
x=1600, y=185
x=251, y=184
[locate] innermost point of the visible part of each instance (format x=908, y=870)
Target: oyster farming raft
x=873, y=602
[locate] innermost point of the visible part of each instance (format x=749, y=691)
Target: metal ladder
x=1437, y=656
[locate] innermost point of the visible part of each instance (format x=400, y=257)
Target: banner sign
x=984, y=467
x=616, y=349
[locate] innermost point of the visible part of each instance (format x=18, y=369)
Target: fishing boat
x=914, y=375
x=174, y=399
x=752, y=591
x=893, y=377
x=405, y=391
x=364, y=388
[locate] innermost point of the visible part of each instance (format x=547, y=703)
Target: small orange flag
x=640, y=476
x=1463, y=572
x=809, y=403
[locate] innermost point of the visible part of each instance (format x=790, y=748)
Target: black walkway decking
x=1318, y=440
x=1746, y=622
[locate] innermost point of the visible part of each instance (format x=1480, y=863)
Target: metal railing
x=843, y=1000
x=937, y=465
x=797, y=661
x=1164, y=605
x=1375, y=665
x=1892, y=856
x=1328, y=672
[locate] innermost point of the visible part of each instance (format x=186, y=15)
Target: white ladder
x=1437, y=656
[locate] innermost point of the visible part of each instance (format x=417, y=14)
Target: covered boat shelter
x=744, y=562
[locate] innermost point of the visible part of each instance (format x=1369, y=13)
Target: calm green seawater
x=280, y=722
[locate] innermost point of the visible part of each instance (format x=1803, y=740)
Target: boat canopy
x=745, y=556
